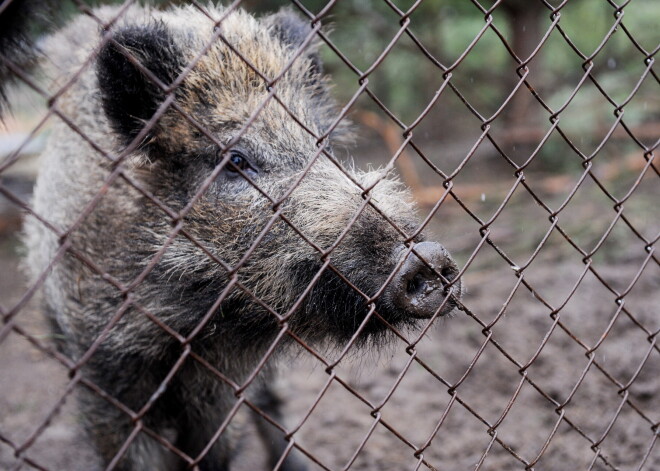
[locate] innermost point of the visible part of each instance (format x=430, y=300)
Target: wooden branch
x=429, y=195
x=391, y=135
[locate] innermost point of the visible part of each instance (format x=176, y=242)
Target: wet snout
x=421, y=285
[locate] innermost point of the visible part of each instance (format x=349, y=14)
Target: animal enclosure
x=527, y=132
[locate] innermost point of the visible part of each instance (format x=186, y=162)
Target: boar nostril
x=418, y=285
x=449, y=272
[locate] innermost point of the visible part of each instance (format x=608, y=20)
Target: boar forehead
x=222, y=91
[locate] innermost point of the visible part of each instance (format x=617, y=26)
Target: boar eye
x=237, y=161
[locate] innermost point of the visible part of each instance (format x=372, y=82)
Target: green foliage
x=405, y=81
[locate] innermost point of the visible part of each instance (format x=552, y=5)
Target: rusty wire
x=483, y=227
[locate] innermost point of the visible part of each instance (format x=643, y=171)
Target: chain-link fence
x=201, y=220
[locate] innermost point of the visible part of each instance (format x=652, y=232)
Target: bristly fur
x=19, y=23
x=127, y=232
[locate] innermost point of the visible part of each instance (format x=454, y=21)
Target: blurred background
x=553, y=216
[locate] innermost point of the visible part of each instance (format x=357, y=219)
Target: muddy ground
x=607, y=424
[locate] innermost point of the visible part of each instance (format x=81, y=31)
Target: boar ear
x=291, y=29
x=129, y=97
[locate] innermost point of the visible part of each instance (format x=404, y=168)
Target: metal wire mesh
x=453, y=399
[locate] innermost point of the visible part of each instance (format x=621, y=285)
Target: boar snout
x=418, y=290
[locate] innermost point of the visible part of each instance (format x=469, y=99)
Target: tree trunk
x=525, y=20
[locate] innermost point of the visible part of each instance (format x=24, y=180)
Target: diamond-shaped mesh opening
x=641, y=391
x=588, y=312
x=568, y=448
x=639, y=202
x=444, y=451
x=371, y=47
x=496, y=376
x=620, y=80
x=638, y=301
x=624, y=337
x=558, y=251
x=385, y=451
x=587, y=201
x=519, y=234
x=601, y=19
x=595, y=393
x=405, y=55
x=645, y=38
x=433, y=136
x=522, y=308
x=499, y=68
x=575, y=104
x=629, y=423
x=620, y=176
x=515, y=429
x=621, y=243
x=25, y=394
x=559, y=367
x=319, y=425
x=501, y=285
